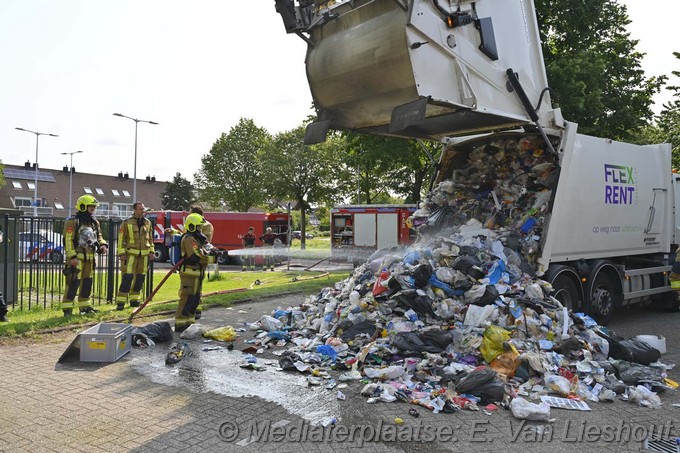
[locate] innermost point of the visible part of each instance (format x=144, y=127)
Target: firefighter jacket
x=82, y=236
x=268, y=239
x=135, y=237
x=249, y=240
x=195, y=257
x=675, y=273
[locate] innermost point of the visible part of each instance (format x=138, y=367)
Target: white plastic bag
x=525, y=410
x=193, y=331
x=391, y=372
x=558, y=384
x=476, y=316
x=269, y=323
x=643, y=396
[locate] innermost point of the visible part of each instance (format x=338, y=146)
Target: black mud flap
x=409, y=114
x=316, y=132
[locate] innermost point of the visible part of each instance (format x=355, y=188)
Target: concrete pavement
x=207, y=403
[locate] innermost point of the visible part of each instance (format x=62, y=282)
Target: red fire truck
x=359, y=230
x=229, y=228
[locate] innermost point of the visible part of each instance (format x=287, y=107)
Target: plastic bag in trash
x=193, y=331
x=327, y=351
x=643, y=396
x=226, y=333
x=477, y=316
x=363, y=328
x=506, y=364
x=636, y=374
x=420, y=304
x=157, y=332
x=421, y=274
x=270, y=323
x=525, y=410
x=558, y=384
x=482, y=383
x=412, y=342
x=493, y=342
x=630, y=350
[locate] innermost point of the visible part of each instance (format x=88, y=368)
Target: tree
x=231, y=172
x=668, y=121
x=593, y=67
x=376, y=169
x=178, y=194
x=305, y=174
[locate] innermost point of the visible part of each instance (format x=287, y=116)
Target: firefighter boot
x=88, y=311
x=134, y=303
x=3, y=318
x=120, y=307
x=198, y=314
x=68, y=312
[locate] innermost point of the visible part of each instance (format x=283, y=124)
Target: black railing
x=32, y=263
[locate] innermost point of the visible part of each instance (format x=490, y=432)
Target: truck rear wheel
x=603, y=299
x=160, y=254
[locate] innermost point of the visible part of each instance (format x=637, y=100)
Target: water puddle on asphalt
x=218, y=371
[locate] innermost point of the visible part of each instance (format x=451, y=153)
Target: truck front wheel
x=567, y=292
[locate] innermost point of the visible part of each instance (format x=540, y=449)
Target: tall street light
x=70, y=180
x=134, y=173
x=35, y=187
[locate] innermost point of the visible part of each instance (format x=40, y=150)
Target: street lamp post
x=70, y=180
x=134, y=173
x=35, y=186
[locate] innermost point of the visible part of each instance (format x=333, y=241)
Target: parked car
x=298, y=235
x=41, y=245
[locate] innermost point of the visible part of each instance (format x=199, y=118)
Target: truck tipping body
x=421, y=68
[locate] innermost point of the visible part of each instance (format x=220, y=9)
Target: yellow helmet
x=193, y=221
x=85, y=201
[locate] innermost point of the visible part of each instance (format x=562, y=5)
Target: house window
x=87, y=190
x=99, y=190
x=21, y=202
x=31, y=185
x=58, y=205
x=126, y=193
x=115, y=192
x=17, y=185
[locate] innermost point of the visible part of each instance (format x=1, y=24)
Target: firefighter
x=82, y=239
x=268, y=239
x=207, y=229
x=191, y=272
x=135, y=250
x=675, y=273
x=248, y=242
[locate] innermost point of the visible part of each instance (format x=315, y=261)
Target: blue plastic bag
x=327, y=351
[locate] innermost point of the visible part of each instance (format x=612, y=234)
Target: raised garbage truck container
x=105, y=342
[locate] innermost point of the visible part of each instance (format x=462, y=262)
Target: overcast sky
x=195, y=67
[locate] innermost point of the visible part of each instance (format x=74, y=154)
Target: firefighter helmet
x=85, y=201
x=193, y=221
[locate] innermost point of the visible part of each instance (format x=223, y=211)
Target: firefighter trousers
x=189, y=299
x=132, y=279
x=248, y=259
x=268, y=253
x=79, y=282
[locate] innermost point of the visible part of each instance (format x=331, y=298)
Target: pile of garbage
x=460, y=320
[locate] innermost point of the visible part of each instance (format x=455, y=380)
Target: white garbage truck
x=470, y=74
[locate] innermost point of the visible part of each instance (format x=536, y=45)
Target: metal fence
x=32, y=263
